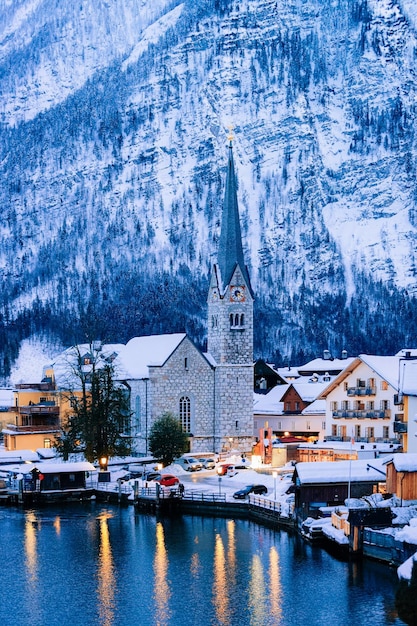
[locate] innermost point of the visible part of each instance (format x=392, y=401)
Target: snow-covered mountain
x=114, y=122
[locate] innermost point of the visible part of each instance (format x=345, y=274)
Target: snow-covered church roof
x=141, y=352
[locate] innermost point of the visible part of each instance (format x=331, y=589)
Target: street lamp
x=103, y=463
x=275, y=474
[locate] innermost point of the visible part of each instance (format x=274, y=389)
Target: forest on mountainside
x=113, y=156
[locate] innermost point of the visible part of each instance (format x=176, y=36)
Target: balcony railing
x=39, y=409
x=362, y=414
x=361, y=391
x=38, y=428
x=400, y=427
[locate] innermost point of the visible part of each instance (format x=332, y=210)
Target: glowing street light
x=103, y=463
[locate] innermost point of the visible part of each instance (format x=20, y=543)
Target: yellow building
x=36, y=415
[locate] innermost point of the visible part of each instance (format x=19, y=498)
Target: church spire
x=230, y=251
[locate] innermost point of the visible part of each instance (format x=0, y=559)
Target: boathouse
x=329, y=484
x=402, y=476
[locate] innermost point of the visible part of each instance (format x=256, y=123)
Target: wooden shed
x=328, y=484
x=402, y=476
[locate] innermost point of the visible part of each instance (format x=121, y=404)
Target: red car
x=222, y=469
x=168, y=480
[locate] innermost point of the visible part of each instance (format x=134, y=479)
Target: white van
x=189, y=463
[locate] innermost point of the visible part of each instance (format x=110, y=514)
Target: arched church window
x=231, y=320
x=242, y=319
x=185, y=413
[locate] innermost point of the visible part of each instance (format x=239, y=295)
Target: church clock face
x=237, y=293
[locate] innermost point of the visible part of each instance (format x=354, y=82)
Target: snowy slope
x=114, y=125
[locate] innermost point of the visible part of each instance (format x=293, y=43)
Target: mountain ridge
x=112, y=182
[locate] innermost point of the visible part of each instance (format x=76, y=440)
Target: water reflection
x=220, y=587
x=106, y=581
x=162, y=591
x=275, y=585
x=31, y=597
x=257, y=594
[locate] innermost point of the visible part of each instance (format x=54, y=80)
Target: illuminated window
x=46, y=443
x=384, y=385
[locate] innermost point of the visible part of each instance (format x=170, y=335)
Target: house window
x=384, y=385
x=333, y=406
x=370, y=432
x=297, y=406
x=334, y=430
x=345, y=386
x=287, y=406
x=384, y=405
x=279, y=425
x=345, y=405
x=185, y=414
x=47, y=443
x=385, y=432
x=323, y=425
x=341, y=431
x=361, y=383
x=357, y=431
x=370, y=405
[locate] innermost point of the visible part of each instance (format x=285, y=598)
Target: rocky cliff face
x=114, y=119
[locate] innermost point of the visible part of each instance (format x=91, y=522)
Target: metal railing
x=201, y=496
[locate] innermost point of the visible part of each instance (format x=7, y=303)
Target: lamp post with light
x=219, y=471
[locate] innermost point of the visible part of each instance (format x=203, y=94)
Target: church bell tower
x=230, y=330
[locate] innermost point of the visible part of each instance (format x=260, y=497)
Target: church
x=211, y=393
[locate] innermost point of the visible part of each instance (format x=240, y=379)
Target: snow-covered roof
x=317, y=407
x=384, y=366
x=321, y=365
x=269, y=402
x=17, y=456
x=404, y=462
x=56, y=468
x=309, y=391
x=63, y=365
x=340, y=471
x=288, y=372
x=141, y=352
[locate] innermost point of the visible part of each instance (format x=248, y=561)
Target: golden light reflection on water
x=57, y=525
x=220, y=584
x=162, y=591
x=231, y=552
x=106, y=581
x=257, y=593
x=31, y=524
x=275, y=592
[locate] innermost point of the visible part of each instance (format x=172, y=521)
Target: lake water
x=94, y=565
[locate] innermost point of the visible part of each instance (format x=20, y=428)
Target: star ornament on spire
x=230, y=136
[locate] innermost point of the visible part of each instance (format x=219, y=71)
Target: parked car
x=189, y=463
x=168, y=480
x=207, y=463
x=152, y=476
x=243, y=493
x=223, y=468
